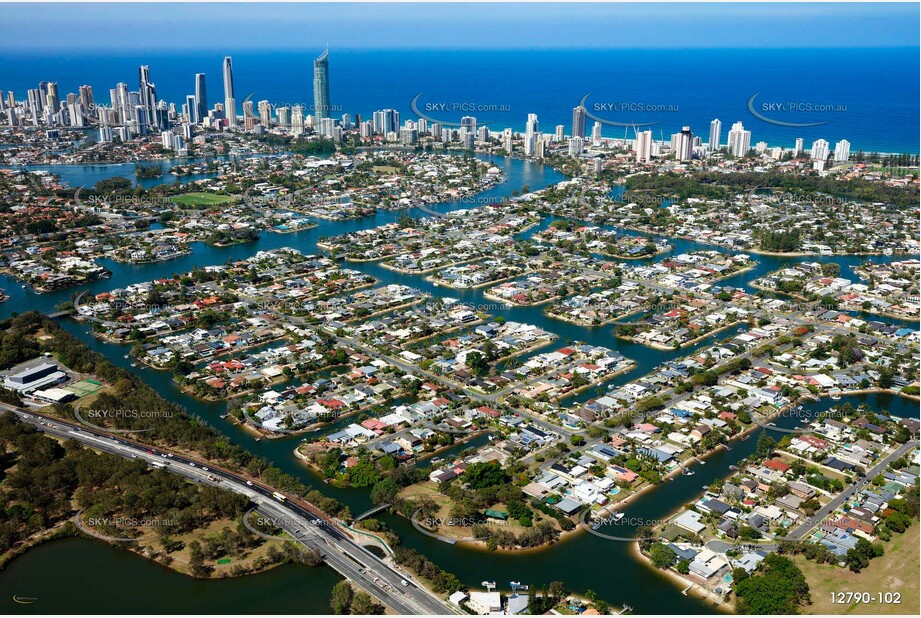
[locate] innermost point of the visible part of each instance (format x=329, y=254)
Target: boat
x=745, y=437
x=688, y=472
x=835, y=394
x=617, y=516
x=733, y=467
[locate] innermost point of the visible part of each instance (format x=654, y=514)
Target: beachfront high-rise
x=321, y=108
x=684, y=145
x=230, y=102
x=842, y=151
x=739, y=140
x=148, y=94
x=642, y=145
x=201, y=99
x=716, y=128
x=578, y=121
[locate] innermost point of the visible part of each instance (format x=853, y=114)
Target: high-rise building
x=148, y=94
x=739, y=140
x=596, y=132
x=321, y=108
x=531, y=127
x=642, y=146
x=86, y=99
x=798, y=148
x=230, y=102
x=386, y=121
x=819, y=150
x=716, y=128
x=578, y=121
x=297, y=120
x=684, y=145
x=842, y=151
x=249, y=116
x=468, y=123
x=576, y=144
x=189, y=109
x=265, y=113
x=201, y=98
x=52, y=97
x=507, y=137
x=283, y=114
x=559, y=134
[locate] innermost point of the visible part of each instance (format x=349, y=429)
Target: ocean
x=867, y=96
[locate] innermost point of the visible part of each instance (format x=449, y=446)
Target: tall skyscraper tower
x=321, y=108
x=716, y=128
x=201, y=98
x=230, y=102
x=148, y=94
x=578, y=121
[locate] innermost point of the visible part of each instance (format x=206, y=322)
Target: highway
x=306, y=526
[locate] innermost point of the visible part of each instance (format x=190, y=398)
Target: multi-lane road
x=305, y=525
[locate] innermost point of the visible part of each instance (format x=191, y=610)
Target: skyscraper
x=201, y=98
x=739, y=140
x=716, y=128
x=842, y=151
x=820, y=150
x=798, y=148
x=230, y=102
x=578, y=121
x=321, y=108
x=265, y=113
x=642, y=145
x=148, y=94
x=684, y=145
x=531, y=126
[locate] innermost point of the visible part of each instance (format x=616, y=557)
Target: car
x=204, y=468
x=192, y=463
x=162, y=454
x=170, y=455
x=134, y=456
x=404, y=582
x=250, y=483
x=149, y=452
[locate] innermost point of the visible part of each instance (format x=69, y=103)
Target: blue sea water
x=870, y=96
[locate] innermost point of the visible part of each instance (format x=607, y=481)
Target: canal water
x=582, y=561
x=79, y=576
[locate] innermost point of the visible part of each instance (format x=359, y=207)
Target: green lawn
x=895, y=571
x=202, y=199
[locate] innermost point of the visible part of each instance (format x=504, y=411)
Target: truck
x=278, y=496
x=158, y=464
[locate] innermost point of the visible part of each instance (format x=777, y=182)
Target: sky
x=207, y=25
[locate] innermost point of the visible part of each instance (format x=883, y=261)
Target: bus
x=278, y=496
x=159, y=464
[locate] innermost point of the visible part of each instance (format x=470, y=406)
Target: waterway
x=582, y=561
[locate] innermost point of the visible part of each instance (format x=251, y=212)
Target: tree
x=364, y=605
x=662, y=557
x=340, y=600
x=485, y=474
x=766, y=445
